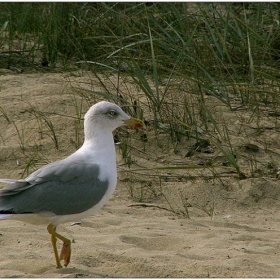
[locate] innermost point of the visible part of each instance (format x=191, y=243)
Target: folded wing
x=62, y=188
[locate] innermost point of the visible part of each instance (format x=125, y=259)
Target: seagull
x=72, y=188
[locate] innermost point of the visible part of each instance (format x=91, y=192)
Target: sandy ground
x=242, y=239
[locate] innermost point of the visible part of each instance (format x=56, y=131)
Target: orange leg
x=65, y=254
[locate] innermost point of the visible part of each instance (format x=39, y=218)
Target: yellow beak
x=135, y=122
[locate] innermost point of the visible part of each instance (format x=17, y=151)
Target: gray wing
x=62, y=187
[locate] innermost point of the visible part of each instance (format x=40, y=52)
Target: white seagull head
x=106, y=116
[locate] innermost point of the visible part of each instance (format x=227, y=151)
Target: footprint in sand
x=160, y=243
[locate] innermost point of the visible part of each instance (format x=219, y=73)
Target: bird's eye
x=112, y=113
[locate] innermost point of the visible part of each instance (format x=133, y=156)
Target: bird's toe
x=65, y=254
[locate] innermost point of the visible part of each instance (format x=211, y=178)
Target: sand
x=127, y=239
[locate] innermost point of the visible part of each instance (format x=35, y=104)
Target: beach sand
x=130, y=237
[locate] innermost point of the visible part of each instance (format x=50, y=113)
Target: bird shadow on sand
x=73, y=272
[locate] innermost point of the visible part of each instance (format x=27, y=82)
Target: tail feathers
x=8, y=181
x=5, y=216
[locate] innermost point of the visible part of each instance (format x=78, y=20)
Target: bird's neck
x=100, y=142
